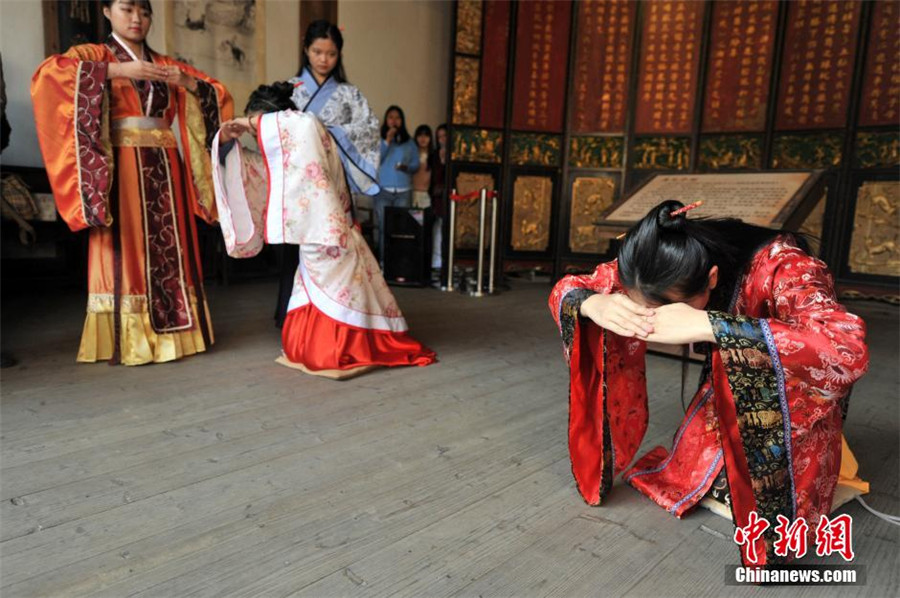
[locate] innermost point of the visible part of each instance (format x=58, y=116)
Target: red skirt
x=319, y=342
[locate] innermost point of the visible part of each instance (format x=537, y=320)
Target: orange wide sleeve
x=71, y=113
x=199, y=116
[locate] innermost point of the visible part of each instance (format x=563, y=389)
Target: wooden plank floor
x=227, y=475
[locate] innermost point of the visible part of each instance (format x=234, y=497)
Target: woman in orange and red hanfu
x=104, y=114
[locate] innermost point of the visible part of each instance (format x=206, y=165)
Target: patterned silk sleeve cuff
x=209, y=109
x=569, y=312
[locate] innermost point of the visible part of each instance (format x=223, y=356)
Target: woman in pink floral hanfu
x=342, y=317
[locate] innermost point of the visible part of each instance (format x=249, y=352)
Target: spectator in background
x=399, y=158
x=437, y=163
x=6, y=360
x=421, y=178
x=5, y=129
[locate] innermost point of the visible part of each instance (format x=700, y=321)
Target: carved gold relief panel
x=806, y=151
x=664, y=153
x=467, y=212
x=534, y=148
x=730, y=151
x=877, y=150
x=468, y=26
x=875, y=243
x=465, y=91
x=590, y=196
x=596, y=152
x=532, y=199
x=477, y=145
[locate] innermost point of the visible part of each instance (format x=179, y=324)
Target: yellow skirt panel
x=139, y=343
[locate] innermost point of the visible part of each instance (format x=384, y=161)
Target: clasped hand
x=142, y=70
x=672, y=324
x=234, y=128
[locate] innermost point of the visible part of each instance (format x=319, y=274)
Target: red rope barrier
x=472, y=195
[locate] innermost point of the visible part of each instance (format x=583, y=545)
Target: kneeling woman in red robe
x=342, y=317
x=782, y=355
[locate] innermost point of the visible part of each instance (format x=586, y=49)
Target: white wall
x=283, y=39
x=22, y=45
x=398, y=52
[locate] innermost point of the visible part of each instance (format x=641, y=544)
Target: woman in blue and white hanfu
x=321, y=88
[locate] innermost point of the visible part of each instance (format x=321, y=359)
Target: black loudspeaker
x=407, y=245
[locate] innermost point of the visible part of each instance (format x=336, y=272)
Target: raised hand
x=138, y=70
x=176, y=76
x=617, y=313
x=233, y=129
x=680, y=324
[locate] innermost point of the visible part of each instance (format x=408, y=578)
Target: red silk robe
x=114, y=166
x=770, y=409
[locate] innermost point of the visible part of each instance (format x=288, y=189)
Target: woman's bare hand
x=232, y=129
x=680, y=324
x=617, y=313
x=176, y=76
x=137, y=70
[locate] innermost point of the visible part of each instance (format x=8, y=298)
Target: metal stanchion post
x=482, y=212
x=452, y=240
x=493, y=249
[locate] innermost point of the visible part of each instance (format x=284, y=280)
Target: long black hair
x=440, y=127
x=402, y=135
x=141, y=3
x=425, y=130
x=322, y=29
x=271, y=98
x=663, y=254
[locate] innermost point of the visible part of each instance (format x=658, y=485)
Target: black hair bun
x=664, y=218
x=271, y=98
x=283, y=88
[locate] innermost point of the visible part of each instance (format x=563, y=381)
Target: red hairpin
x=298, y=84
x=685, y=209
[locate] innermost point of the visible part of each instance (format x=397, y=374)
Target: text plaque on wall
x=819, y=51
x=542, y=49
x=602, y=55
x=773, y=199
x=740, y=62
x=493, y=64
x=670, y=57
x=881, y=86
